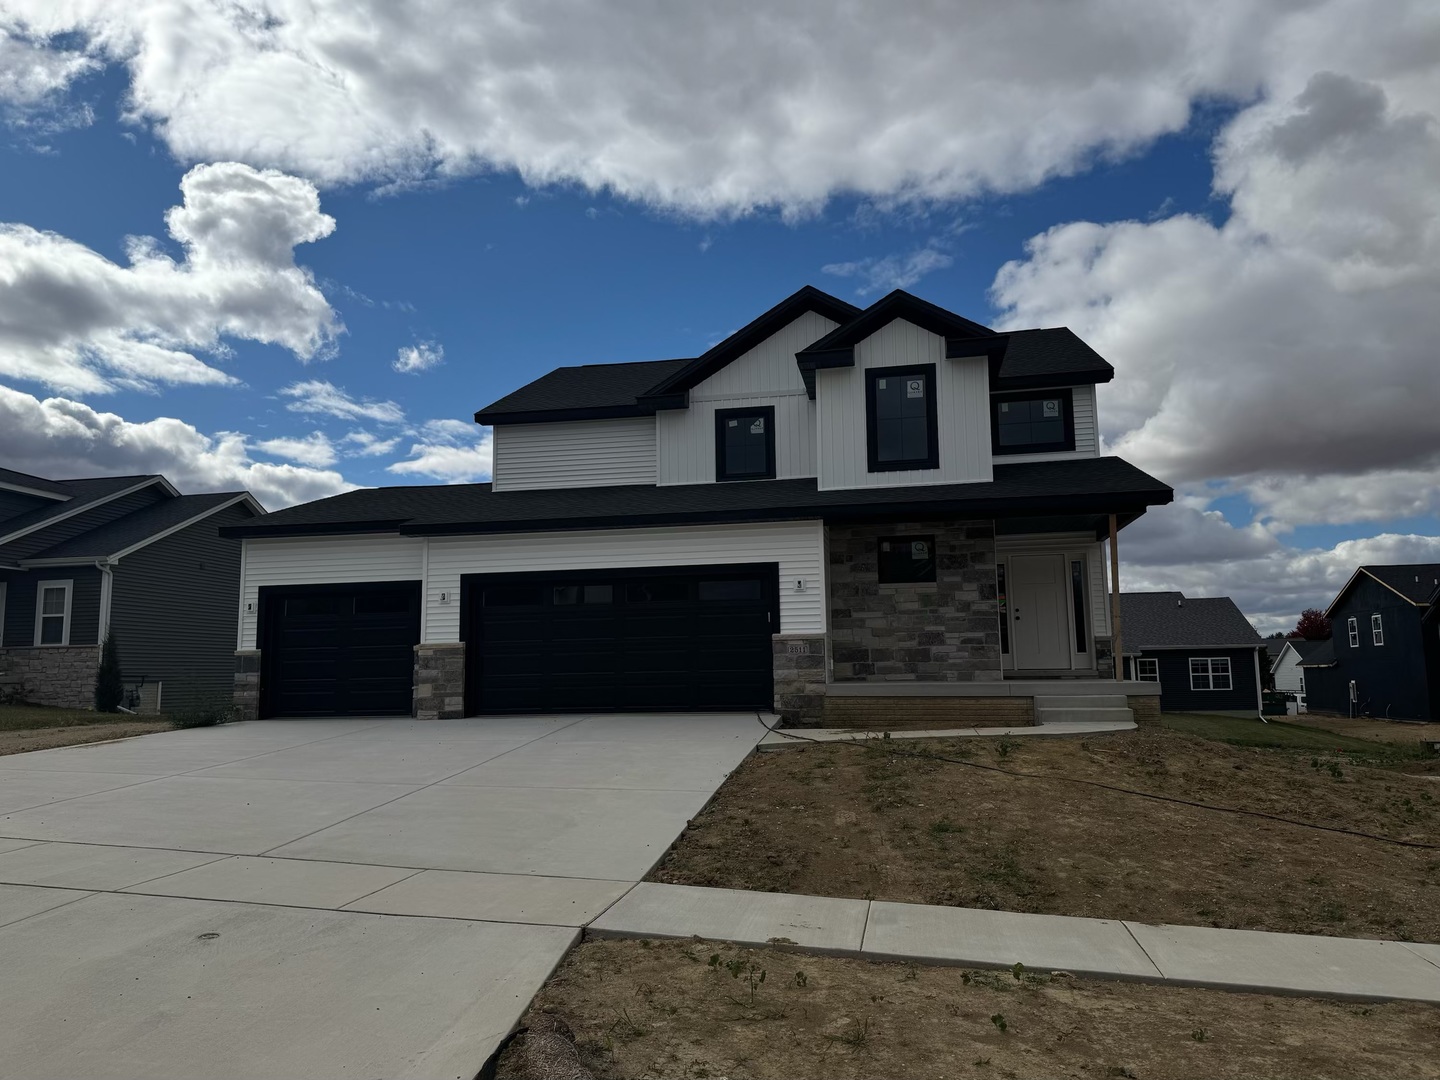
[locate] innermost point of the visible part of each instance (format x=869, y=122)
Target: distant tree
x=1313, y=625
x=109, y=690
x=1278, y=635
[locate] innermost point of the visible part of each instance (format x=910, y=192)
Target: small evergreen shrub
x=109, y=690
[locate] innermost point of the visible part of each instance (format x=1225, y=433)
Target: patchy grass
x=896, y=821
x=34, y=717
x=39, y=727
x=1243, y=731
x=665, y=1010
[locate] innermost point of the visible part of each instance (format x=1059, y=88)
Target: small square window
x=905, y=560
x=1039, y=422
x=900, y=418
x=1147, y=669
x=745, y=443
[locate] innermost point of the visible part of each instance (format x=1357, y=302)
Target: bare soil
x=19, y=742
x=1386, y=731
x=663, y=1010
x=891, y=820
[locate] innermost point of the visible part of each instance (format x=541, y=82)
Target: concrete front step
x=1081, y=701
x=1081, y=716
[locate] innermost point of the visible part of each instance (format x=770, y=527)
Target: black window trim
x=722, y=415
x=1064, y=393
x=931, y=460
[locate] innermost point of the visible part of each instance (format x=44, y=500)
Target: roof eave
x=551, y=416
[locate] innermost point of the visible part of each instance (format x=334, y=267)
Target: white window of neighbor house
x=1353, y=626
x=1377, y=632
x=52, y=612
x=1147, y=670
x=1210, y=673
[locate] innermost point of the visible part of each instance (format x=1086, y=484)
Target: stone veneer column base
x=247, y=684
x=800, y=666
x=440, y=681
x=62, y=676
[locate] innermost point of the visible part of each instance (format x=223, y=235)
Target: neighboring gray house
x=1203, y=652
x=127, y=555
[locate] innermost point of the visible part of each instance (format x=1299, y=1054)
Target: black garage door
x=339, y=650
x=673, y=638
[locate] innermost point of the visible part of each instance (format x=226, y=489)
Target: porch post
x=1115, y=649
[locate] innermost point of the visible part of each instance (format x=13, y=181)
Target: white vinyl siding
x=796, y=546
x=323, y=560
x=1087, y=431
x=766, y=375
x=584, y=453
x=962, y=405
x=52, y=611
x=1288, y=675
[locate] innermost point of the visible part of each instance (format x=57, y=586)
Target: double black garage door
x=669, y=638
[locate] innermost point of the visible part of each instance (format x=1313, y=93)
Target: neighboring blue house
x=1384, y=655
x=1204, y=653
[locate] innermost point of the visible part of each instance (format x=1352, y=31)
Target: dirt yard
x=667, y=1010
x=37, y=727
x=1371, y=729
x=890, y=820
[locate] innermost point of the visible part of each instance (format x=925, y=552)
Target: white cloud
x=317, y=396
x=422, y=356
x=73, y=320
x=785, y=104
x=314, y=449
x=368, y=444
x=449, y=450
x=892, y=271
x=32, y=74
x=62, y=438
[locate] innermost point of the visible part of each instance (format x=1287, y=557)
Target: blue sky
x=1198, y=200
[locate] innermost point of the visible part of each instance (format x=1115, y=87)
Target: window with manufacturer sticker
x=904, y=560
x=1038, y=422
x=745, y=443
x=900, y=418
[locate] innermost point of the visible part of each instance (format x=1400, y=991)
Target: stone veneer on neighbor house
x=247, y=684
x=942, y=631
x=440, y=681
x=59, y=675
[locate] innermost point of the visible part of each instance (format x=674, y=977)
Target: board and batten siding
x=582, y=453
x=1087, y=431
x=322, y=560
x=765, y=375
x=962, y=406
x=796, y=546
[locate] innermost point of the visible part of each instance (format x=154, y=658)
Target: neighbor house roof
x=1415, y=582
x=1303, y=648
x=1094, y=486
x=38, y=485
x=1323, y=655
x=84, y=494
x=1019, y=359
x=1170, y=620
x=141, y=527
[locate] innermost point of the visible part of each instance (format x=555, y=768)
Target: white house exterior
x=829, y=498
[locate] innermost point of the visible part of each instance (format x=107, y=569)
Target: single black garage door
x=339, y=650
x=667, y=638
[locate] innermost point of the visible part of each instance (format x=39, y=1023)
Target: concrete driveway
x=356, y=898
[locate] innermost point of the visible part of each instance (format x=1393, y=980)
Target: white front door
x=1039, y=615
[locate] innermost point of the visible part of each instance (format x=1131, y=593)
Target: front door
x=1039, y=623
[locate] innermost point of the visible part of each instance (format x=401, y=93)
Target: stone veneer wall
x=945, y=631
x=440, y=681
x=800, y=666
x=247, y=684
x=58, y=675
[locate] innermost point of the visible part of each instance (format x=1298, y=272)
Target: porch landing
x=1011, y=703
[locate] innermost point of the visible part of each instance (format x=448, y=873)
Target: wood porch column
x=1115, y=649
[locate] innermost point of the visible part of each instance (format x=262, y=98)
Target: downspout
x=1115, y=643
x=1259, y=689
x=107, y=590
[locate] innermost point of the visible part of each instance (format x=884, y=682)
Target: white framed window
x=52, y=612
x=1353, y=626
x=1377, y=632
x=1147, y=670
x=1209, y=673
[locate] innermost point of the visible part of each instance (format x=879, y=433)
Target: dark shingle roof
x=1079, y=486
x=1303, y=647
x=608, y=387
x=82, y=492
x=1169, y=620
x=1414, y=581
x=1032, y=355
x=1323, y=655
x=35, y=483
x=133, y=528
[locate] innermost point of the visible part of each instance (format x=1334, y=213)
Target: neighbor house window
x=52, y=612
x=1041, y=421
x=1210, y=673
x=900, y=418
x=1147, y=670
x=1377, y=632
x=1353, y=627
x=906, y=559
x=745, y=443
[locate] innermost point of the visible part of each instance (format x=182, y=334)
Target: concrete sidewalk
x=1241, y=960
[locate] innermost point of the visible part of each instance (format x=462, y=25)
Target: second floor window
x=900, y=418
x=1040, y=421
x=1377, y=631
x=745, y=443
x=1353, y=632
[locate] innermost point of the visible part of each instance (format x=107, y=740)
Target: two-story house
x=1383, y=657
x=828, y=509
x=128, y=555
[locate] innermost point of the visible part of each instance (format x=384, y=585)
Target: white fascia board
x=23, y=490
